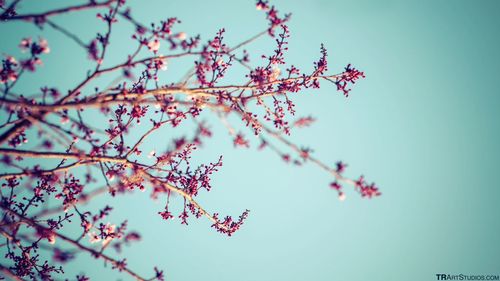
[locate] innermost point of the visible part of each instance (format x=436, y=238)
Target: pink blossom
x=93, y=237
x=154, y=45
x=181, y=36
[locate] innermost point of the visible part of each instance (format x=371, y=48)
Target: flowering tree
x=75, y=154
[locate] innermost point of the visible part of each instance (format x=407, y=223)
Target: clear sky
x=424, y=125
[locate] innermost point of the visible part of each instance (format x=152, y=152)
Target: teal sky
x=424, y=125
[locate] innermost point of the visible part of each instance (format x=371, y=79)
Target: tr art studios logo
x=446, y=277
